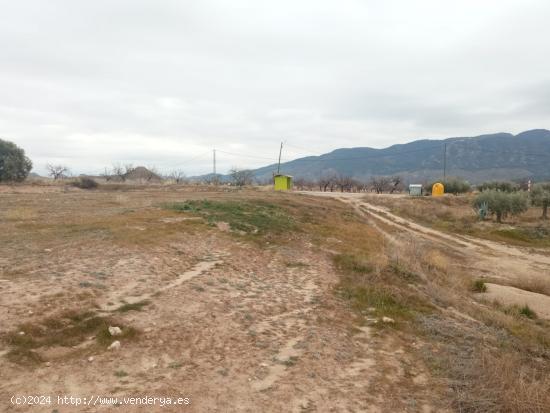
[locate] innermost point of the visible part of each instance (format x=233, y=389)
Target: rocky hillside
x=486, y=157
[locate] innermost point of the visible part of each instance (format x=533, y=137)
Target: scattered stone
x=114, y=346
x=30, y=312
x=263, y=365
x=90, y=359
x=148, y=330
x=48, y=364
x=115, y=331
x=21, y=333
x=47, y=250
x=388, y=320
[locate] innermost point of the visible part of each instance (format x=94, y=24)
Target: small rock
x=263, y=365
x=48, y=364
x=114, y=346
x=30, y=312
x=148, y=330
x=47, y=250
x=21, y=333
x=90, y=359
x=115, y=331
x=388, y=320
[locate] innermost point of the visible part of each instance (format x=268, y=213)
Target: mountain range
x=499, y=156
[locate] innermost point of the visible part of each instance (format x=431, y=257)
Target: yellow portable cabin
x=438, y=189
x=282, y=182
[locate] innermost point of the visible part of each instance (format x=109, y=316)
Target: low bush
x=85, y=183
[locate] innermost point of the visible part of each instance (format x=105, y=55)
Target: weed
x=479, y=286
x=291, y=361
x=526, y=311
x=249, y=217
x=137, y=306
x=121, y=373
x=352, y=263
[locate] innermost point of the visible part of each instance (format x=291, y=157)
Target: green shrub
x=527, y=312
x=14, y=165
x=479, y=286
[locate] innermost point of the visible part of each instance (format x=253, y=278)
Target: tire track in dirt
x=126, y=296
x=483, y=258
x=495, y=259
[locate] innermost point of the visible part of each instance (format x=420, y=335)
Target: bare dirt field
x=249, y=301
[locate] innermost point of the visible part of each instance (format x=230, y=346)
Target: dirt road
x=482, y=258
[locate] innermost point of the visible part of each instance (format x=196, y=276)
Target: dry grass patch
x=67, y=329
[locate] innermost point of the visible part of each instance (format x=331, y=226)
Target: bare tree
x=380, y=184
x=151, y=173
x=57, y=171
x=344, y=183
x=396, y=184
x=178, y=176
x=122, y=172
x=107, y=175
x=119, y=172
x=241, y=177
x=328, y=181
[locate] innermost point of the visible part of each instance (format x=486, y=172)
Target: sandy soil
x=229, y=324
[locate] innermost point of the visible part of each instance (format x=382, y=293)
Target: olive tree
x=540, y=196
x=456, y=186
x=501, y=204
x=14, y=165
x=502, y=186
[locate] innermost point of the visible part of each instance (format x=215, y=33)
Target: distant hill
x=500, y=156
x=141, y=173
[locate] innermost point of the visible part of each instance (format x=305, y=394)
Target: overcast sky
x=92, y=83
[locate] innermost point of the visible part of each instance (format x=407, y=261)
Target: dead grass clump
x=534, y=285
x=488, y=370
x=352, y=263
x=503, y=383
x=435, y=260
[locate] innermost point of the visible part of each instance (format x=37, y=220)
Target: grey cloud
x=92, y=83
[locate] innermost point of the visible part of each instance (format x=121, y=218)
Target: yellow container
x=282, y=182
x=438, y=189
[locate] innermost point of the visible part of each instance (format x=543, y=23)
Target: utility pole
x=215, y=175
x=279, y=165
x=445, y=162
